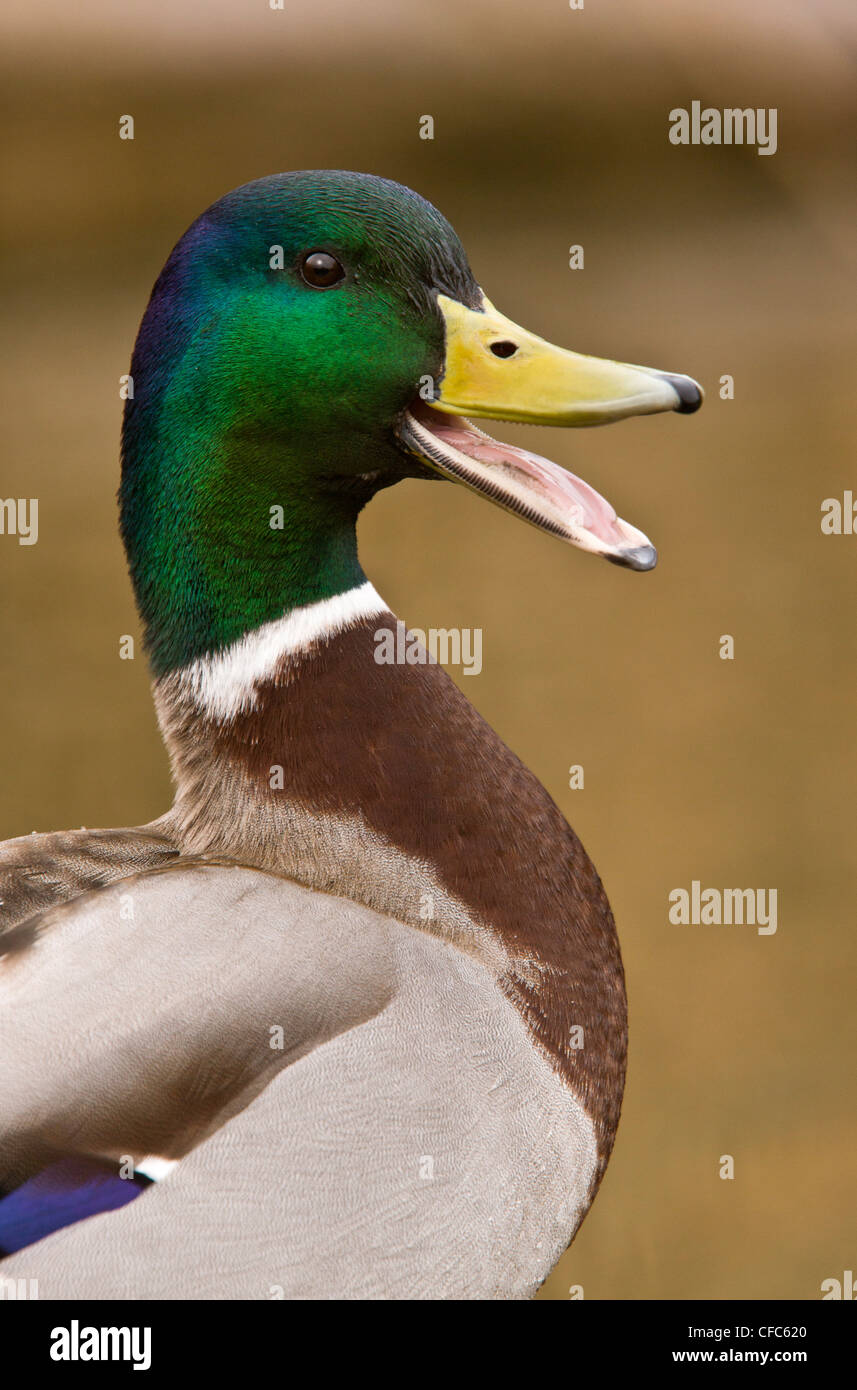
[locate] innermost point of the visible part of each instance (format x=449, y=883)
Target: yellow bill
x=497, y=370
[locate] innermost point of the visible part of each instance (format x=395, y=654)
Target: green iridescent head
x=287, y=332
x=312, y=338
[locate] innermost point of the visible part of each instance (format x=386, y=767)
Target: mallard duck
x=348, y=1020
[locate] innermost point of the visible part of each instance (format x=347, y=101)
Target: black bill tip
x=636, y=557
x=688, y=391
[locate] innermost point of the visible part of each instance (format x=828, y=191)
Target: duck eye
x=321, y=270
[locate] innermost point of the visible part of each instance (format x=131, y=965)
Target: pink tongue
x=569, y=499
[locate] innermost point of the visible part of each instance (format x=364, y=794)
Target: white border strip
x=226, y=683
x=155, y=1168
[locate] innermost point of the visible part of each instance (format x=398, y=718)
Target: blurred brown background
x=551, y=129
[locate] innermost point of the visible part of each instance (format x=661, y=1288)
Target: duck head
x=312, y=338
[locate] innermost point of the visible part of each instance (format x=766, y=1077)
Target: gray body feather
x=357, y=1109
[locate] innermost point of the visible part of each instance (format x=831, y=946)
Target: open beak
x=493, y=369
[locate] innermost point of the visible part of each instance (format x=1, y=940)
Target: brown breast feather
x=399, y=748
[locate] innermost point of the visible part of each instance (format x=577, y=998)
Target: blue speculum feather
x=66, y=1192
